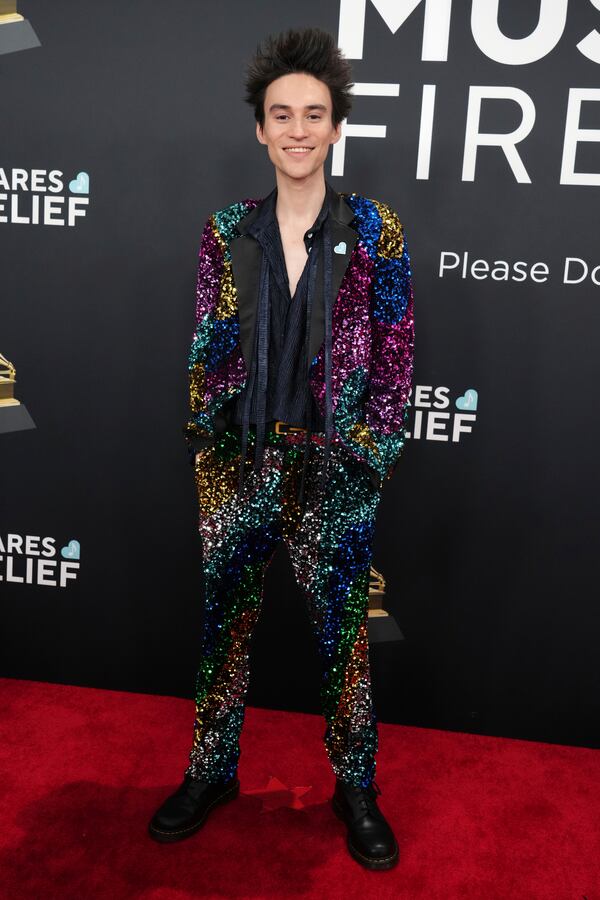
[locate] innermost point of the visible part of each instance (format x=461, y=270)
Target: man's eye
x=311, y=116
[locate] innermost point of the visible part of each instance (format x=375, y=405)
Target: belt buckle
x=286, y=429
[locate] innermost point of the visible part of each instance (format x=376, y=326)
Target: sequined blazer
x=372, y=327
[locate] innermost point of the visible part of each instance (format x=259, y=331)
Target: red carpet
x=82, y=770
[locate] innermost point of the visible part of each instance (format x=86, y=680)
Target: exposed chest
x=295, y=256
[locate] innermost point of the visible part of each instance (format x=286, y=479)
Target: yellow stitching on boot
x=195, y=825
x=374, y=858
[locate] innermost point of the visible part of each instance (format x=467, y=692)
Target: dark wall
x=487, y=536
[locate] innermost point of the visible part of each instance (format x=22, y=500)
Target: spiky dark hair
x=309, y=50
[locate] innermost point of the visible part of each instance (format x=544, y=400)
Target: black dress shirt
x=287, y=384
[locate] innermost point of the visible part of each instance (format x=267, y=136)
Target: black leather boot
x=371, y=841
x=185, y=811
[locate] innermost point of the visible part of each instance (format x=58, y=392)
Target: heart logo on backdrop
x=340, y=248
x=71, y=551
x=468, y=400
x=81, y=184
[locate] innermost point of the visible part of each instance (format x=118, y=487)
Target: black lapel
x=245, y=263
x=246, y=257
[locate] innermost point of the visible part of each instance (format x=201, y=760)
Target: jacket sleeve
x=380, y=435
x=199, y=430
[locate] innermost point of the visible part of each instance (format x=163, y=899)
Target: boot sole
x=369, y=862
x=167, y=837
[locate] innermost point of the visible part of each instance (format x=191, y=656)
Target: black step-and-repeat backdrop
x=480, y=124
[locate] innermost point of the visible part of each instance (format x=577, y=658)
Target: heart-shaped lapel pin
x=340, y=248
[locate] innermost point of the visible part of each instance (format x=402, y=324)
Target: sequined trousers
x=329, y=537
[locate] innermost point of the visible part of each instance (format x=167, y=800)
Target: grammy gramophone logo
x=382, y=625
x=376, y=593
x=8, y=379
x=16, y=32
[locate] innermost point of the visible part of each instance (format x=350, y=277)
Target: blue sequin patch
x=391, y=287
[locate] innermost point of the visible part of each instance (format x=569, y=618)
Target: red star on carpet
x=276, y=794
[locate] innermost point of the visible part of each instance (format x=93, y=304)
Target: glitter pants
x=329, y=539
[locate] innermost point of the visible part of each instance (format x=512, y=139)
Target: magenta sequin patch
x=351, y=329
x=228, y=377
x=391, y=372
x=210, y=268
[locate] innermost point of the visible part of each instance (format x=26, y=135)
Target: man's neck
x=299, y=202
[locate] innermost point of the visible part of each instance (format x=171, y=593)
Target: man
x=302, y=359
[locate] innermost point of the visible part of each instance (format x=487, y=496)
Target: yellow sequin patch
x=227, y=303
x=361, y=433
x=391, y=239
x=216, y=480
x=197, y=385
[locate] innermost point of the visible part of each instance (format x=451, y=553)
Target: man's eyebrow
x=286, y=106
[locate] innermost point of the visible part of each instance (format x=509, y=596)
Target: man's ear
x=259, y=134
x=337, y=133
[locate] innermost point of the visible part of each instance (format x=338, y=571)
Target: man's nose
x=298, y=128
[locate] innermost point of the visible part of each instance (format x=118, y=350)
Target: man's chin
x=299, y=173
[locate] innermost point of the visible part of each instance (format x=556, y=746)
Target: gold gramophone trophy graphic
x=13, y=414
x=16, y=32
x=8, y=379
x=382, y=626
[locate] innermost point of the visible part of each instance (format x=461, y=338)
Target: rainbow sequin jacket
x=372, y=327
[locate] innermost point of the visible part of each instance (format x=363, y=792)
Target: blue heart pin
x=340, y=248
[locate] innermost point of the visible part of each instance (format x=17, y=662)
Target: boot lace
x=368, y=799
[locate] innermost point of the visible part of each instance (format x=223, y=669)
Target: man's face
x=298, y=115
